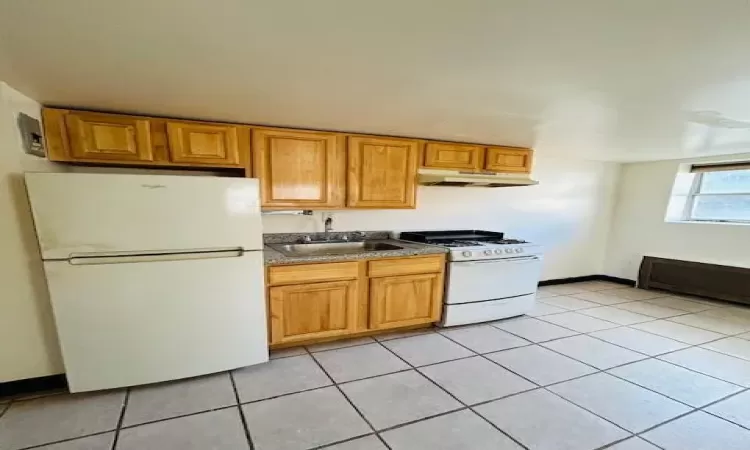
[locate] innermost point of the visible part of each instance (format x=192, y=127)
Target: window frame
x=695, y=193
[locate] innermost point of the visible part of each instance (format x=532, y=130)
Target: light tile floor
x=598, y=366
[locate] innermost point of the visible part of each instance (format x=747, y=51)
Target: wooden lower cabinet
x=405, y=300
x=308, y=303
x=301, y=312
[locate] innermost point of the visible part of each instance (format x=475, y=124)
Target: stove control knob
x=498, y=251
x=508, y=250
x=488, y=252
x=519, y=250
x=467, y=254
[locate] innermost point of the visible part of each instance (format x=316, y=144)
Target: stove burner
x=507, y=241
x=460, y=238
x=451, y=243
x=473, y=243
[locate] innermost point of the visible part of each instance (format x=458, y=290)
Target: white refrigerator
x=151, y=277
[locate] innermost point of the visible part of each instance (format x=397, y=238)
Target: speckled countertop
x=273, y=257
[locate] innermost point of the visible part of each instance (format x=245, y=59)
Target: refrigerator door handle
x=153, y=257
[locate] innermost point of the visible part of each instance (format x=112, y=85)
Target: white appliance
x=151, y=278
x=489, y=277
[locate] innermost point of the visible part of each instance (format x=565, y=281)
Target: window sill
x=707, y=222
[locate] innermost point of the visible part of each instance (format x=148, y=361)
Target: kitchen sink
x=333, y=248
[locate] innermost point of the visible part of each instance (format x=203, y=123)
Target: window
x=719, y=193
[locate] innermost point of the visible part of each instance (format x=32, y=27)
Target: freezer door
x=104, y=213
x=143, y=322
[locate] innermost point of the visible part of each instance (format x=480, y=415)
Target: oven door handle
x=521, y=260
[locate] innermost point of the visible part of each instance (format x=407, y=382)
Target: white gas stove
x=489, y=277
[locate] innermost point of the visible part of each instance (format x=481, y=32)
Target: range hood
x=436, y=177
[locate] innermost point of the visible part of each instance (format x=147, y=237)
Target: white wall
x=638, y=226
x=28, y=345
x=568, y=213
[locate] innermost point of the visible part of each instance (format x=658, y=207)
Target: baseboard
x=618, y=280
x=33, y=385
x=623, y=281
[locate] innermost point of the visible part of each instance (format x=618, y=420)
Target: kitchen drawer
x=306, y=273
x=405, y=266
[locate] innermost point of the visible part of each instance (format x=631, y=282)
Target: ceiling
x=614, y=80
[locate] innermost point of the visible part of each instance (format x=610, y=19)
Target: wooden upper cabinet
x=108, y=137
x=198, y=143
x=382, y=172
x=301, y=312
x=405, y=300
x=453, y=156
x=91, y=137
x=299, y=169
x=509, y=159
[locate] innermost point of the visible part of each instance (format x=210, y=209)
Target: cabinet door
x=405, y=300
x=109, y=137
x=196, y=143
x=382, y=172
x=299, y=169
x=301, y=312
x=453, y=156
x=509, y=159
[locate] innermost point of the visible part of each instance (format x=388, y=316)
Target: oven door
x=474, y=281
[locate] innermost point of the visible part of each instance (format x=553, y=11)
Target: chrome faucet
x=328, y=224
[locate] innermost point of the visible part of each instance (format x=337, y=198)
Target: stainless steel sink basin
x=333, y=248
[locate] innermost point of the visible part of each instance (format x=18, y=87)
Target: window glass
x=727, y=182
x=722, y=207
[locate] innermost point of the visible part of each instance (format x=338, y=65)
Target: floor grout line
x=307, y=347
x=689, y=346
x=345, y=441
x=121, y=419
x=612, y=444
x=647, y=357
x=179, y=416
x=545, y=388
x=423, y=419
x=243, y=419
x=61, y=441
x=725, y=419
x=450, y=394
x=348, y=400
x=680, y=416
x=598, y=371
x=667, y=396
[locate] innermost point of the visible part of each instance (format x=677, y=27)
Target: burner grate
x=506, y=241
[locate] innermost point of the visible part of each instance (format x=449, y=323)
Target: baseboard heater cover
x=695, y=278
